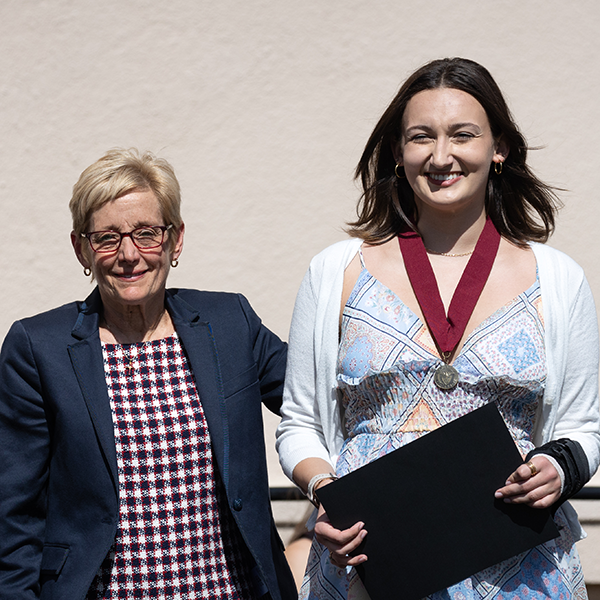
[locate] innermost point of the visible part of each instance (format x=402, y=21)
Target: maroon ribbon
x=448, y=331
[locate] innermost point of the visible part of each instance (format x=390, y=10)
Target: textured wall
x=263, y=108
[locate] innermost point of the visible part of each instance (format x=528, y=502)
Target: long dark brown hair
x=522, y=207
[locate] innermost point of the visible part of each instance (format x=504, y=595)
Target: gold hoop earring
x=498, y=167
x=87, y=271
x=396, y=172
x=174, y=263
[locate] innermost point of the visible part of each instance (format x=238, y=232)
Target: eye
x=463, y=136
x=147, y=233
x=105, y=237
x=419, y=138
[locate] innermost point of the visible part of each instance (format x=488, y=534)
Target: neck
x=128, y=324
x=451, y=233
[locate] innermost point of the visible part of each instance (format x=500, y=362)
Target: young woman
x=445, y=300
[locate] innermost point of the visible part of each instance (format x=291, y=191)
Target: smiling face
x=129, y=277
x=447, y=148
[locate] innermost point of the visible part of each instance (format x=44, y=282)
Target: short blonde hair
x=120, y=172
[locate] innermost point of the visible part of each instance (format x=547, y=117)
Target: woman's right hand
x=340, y=543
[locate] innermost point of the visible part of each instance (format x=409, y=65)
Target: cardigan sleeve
x=577, y=411
x=570, y=408
x=311, y=425
x=24, y=452
x=300, y=434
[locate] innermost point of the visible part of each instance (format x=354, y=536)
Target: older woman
x=131, y=453
x=446, y=300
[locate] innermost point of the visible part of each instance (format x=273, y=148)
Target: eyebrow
x=136, y=226
x=453, y=127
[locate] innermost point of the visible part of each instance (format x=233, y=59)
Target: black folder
x=430, y=511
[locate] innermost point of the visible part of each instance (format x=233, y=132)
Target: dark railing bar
x=293, y=493
x=588, y=493
x=286, y=493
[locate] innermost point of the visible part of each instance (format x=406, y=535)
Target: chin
x=132, y=296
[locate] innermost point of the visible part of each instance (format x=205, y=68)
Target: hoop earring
x=174, y=263
x=87, y=271
x=396, y=172
x=498, y=167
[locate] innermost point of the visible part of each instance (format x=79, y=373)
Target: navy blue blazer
x=58, y=469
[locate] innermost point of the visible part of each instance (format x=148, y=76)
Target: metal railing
x=293, y=493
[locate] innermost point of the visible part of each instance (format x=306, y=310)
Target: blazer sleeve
x=270, y=355
x=24, y=457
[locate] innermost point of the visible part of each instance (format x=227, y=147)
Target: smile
x=444, y=180
x=443, y=176
x=130, y=275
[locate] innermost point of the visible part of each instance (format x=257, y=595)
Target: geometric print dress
x=176, y=538
x=386, y=363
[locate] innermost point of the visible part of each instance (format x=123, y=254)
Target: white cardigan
x=311, y=424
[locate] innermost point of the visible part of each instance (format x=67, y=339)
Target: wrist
x=316, y=482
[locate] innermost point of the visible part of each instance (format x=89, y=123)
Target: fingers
x=341, y=543
x=535, y=483
x=525, y=472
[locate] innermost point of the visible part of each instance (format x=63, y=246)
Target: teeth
x=443, y=176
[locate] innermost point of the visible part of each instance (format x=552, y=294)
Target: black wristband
x=570, y=456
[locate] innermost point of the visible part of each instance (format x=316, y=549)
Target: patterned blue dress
x=386, y=363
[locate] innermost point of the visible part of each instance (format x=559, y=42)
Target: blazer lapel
x=201, y=350
x=88, y=364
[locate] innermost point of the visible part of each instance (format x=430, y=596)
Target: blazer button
x=238, y=504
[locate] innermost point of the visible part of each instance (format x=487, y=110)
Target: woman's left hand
x=539, y=490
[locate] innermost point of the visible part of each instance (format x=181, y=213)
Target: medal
x=447, y=331
x=446, y=377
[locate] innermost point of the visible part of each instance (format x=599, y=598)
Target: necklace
x=127, y=350
x=447, y=331
x=128, y=360
x=449, y=254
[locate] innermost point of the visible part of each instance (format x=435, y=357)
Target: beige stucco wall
x=263, y=107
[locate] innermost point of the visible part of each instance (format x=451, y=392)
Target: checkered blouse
x=176, y=537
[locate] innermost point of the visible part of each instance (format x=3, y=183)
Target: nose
x=441, y=156
x=128, y=251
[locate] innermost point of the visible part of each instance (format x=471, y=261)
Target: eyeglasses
x=144, y=238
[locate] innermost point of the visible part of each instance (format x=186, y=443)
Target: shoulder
x=337, y=255
x=202, y=298
x=328, y=266
x=44, y=334
x=565, y=289
x=54, y=320
x=553, y=260
x=190, y=305
x=326, y=270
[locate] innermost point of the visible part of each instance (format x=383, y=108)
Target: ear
x=397, y=152
x=178, y=246
x=501, y=152
x=79, y=252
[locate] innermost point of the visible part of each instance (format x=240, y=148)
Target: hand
x=340, y=543
x=538, y=491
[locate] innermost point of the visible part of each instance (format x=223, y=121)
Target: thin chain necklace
x=129, y=358
x=450, y=254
